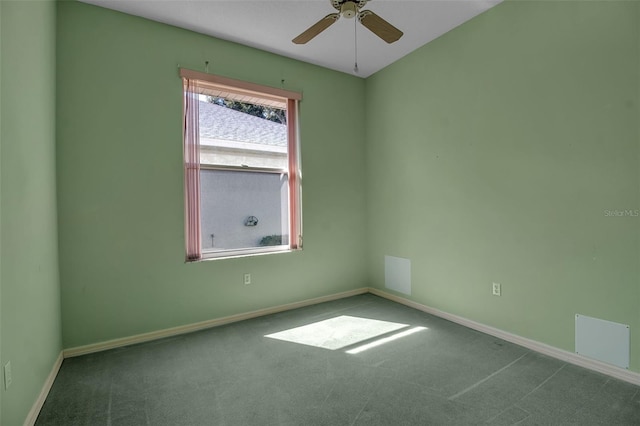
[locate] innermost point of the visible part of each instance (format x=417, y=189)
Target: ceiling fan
x=351, y=9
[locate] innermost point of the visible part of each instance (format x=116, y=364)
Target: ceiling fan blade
x=316, y=28
x=379, y=26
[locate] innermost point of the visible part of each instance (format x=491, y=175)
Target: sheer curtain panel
x=191, y=138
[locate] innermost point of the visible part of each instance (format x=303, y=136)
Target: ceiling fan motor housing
x=349, y=9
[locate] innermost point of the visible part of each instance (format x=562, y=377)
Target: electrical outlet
x=7, y=375
x=247, y=279
x=497, y=291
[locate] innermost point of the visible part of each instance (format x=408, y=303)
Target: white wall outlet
x=7, y=375
x=247, y=279
x=496, y=289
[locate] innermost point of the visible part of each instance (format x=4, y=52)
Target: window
x=242, y=168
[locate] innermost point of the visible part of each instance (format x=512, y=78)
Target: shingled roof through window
x=218, y=122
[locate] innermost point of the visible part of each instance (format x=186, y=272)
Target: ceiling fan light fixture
x=349, y=9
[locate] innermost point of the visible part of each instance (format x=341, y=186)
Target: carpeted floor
x=420, y=370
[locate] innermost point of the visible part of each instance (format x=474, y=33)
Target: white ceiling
x=271, y=25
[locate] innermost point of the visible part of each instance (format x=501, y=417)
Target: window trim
x=212, y=82
x=203, y=83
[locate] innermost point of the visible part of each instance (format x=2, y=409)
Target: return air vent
x=602, y=340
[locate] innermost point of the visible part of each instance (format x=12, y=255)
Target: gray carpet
x=443, y=374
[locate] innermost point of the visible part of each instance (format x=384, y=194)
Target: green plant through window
x=262, y=111
x=271, y=240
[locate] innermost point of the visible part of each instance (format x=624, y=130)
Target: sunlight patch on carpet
x=338, y=332
x=384, y=340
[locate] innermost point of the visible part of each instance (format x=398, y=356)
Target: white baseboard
x=570, y=357
x=188, y=328
x=37, y=406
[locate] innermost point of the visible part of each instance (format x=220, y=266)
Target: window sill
x=235, y=254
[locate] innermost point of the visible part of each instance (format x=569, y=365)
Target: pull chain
x=355, y=44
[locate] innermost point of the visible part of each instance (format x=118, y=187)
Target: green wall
x=120, y=194
x=30, y=303
x=1, y=364
x=492, y=155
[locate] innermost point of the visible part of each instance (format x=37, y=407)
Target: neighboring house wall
x=229, y=198
x=228, y=153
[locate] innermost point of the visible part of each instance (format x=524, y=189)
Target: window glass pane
x=243, y=209
x=242, y=134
